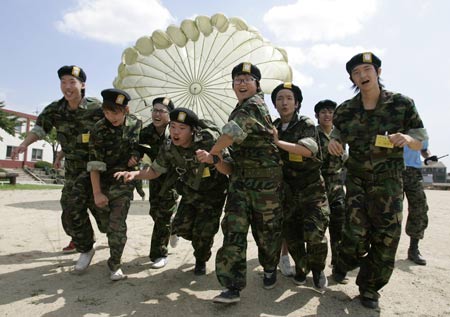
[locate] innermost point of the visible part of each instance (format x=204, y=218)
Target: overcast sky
x=410, y=36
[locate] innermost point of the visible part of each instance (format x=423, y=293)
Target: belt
x=267, y=172
x=332, y=177
x=376, y=176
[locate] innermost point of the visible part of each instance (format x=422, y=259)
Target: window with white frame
x=9, y=149
x=36, y=154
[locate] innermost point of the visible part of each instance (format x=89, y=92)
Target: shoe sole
x=299, y=282
x=226, y=301
x=69, y=251
x=270, y=286
x=119, y=279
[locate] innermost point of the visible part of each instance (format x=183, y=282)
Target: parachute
x=192, y=63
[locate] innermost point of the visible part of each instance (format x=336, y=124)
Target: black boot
x=200, y=268
x=414, y=253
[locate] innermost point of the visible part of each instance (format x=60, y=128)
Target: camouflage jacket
x=331, y=165
x=250, y=126
x=359, y=129
x=301, y=130
x=111, y=147
x=197, y=176
x=72, y=126
x=150, y=136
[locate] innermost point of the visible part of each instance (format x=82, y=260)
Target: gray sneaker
x=84, y=260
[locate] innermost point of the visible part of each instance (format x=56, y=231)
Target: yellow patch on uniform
x=120, y=99
x=75, y=71
x=247, y=67
x=166, y=101
x=383, y=141
x=206, y=172
x=367, y=58
x=287, y=85
x=295, y=157
x=85, y=137
x=181, y=116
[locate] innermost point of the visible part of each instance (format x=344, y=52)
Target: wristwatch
x=216, y=159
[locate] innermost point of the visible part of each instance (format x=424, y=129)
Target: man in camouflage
x=202, y=187
x=162, y=193
x=255, y=184
x=73, y=116
x=114, y=147
x=332, y=172
x=417, y=220
x=376, y=124
x=305, y=208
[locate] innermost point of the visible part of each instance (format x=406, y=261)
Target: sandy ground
x=36, y=279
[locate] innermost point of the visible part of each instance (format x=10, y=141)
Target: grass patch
x=29, y=187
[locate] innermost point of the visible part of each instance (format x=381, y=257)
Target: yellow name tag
x=206, y=172
x=85, y=137
x=383, y=141
x=295, y=157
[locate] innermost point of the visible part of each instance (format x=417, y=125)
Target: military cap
x=246, y=68
x=115, y=97
x=164, y=101
x=290, y=86
x=362, y=58
x=325, y=104
x=184, y=115
x=74, y=71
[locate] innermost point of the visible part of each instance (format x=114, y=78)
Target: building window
x=36, y=155
x=9, y=150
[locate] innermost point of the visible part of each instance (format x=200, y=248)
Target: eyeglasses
x=160, y=111
x=247, y=80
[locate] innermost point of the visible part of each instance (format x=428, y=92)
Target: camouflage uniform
x=110, y=149
x=254, y=194
x=72, y=127
x=162, y=195
x=417, y=220
x=374, y=186
x=332, y=170
x=306, y=211
x=203, y=190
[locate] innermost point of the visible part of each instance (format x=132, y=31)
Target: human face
x=181, y=134
x=325, y=117
x=71, y=88
x=285, y=104
x=365, y=77
x=116, y=118
x=160, y=116
x=244, y=87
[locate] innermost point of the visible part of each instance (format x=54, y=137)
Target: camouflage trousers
x=372, y=231
x=197, y=218
x=76, y=198
x=119, y=195
x=306, y=217
x=336, y=200
x=417, y=220
x=254, y=203
x=162, y=207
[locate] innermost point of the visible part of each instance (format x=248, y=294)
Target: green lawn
x=28, y=186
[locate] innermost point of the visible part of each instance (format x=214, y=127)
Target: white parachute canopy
x=192, y=64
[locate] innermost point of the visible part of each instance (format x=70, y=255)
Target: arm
x=29, y=139
x=401, y=140
x=148, y=173
x=223, y=142
x=222, y=166
x=291, y=147
x=100, y=199
x=59, y=157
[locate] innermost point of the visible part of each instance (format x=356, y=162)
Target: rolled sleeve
x=418, y=134
x=39, y=131
x=310, y=144
x=158, y=168
x=234, y=131
x=96, y=166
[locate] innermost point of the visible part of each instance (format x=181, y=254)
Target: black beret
x=325, y=104
x=290, y=86
x=74, y=71
x=115, y=97
x=184, y=115
x=246, y=68
x=362, y=58
x=164, y=101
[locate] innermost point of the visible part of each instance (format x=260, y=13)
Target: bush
x=43, y=164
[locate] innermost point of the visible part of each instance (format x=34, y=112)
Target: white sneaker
x=117, y=275
x=159, y=263
x=84, y=261
x=173, y=240
x=285, y=266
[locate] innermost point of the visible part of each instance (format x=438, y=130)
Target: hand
x=335, y=148
x=400, y=139
x=204, y=156
x=127, y=176
x=17, y=150
x=133, y=161
x=101, y=200
x=57, y=164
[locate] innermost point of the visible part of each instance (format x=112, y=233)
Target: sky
x=410, y=36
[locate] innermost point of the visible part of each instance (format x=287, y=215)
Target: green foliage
x=43, y=164
x=7, y=122
x=28, y=187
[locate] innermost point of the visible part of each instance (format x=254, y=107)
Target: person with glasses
x=376, y=124
x=163, y=197
x=255, y=187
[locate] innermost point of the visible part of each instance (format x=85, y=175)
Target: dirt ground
x=36, y=279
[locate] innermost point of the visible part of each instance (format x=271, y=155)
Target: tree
x=7, y=122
